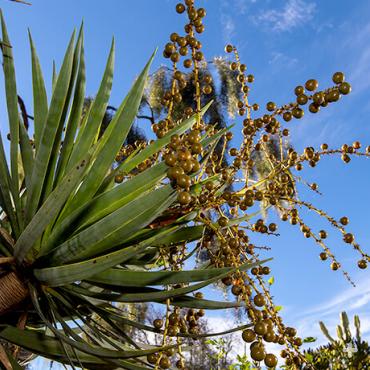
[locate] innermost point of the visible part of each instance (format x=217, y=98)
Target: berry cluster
x=182, y=160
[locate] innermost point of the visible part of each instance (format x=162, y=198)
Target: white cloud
x=280, y=58
x=352, y=300
x=323, y=27
x=228, y=27
x=326, y=129
x=293, y=14
x=227, y=20
x=242, y=6
x=360, y=69
x=345, y=299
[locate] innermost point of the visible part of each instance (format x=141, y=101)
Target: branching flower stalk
x=278, y=185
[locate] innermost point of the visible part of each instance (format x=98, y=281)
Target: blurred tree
x=225, y=93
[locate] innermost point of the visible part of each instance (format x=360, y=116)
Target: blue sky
x=283, y=43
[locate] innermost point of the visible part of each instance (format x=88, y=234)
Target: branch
x=151, y=119
x=21, y=2
x=25, y=116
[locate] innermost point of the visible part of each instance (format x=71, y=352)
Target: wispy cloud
x=228, y=26
x=242, y=6
x=279, y=58
x=361, y=64
x=352, y=300
x=362, y=69
x=293, y=14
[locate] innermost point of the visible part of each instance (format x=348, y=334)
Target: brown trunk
x=12, y=292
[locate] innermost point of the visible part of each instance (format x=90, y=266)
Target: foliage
x=242, y=363
x=347, y=352
x=225, y=97
x=218, y=358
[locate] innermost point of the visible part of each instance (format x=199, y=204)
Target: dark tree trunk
x=12, y=292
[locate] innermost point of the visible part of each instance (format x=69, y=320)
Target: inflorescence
x=226, y=192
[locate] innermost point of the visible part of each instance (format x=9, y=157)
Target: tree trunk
x=12, y=292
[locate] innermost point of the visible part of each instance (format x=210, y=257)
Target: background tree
x=222, y=89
